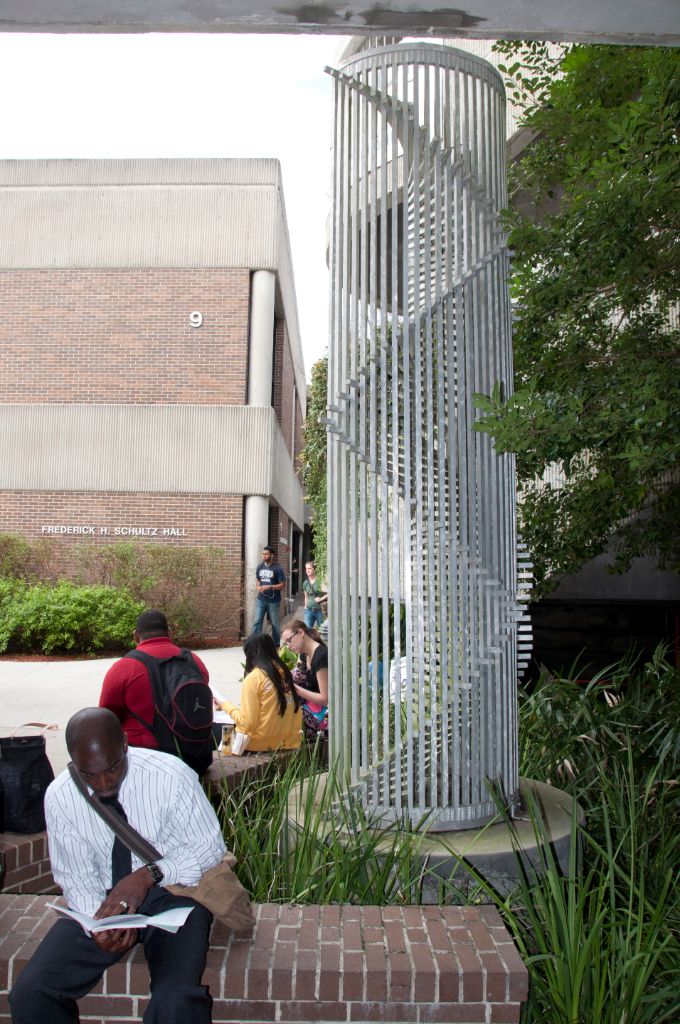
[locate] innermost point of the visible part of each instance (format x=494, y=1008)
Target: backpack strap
x=151, y=665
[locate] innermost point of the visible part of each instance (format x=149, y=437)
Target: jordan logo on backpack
x=183, y=716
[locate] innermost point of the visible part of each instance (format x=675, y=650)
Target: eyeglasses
x=286, y=640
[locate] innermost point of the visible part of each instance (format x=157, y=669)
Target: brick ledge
x=423, y=965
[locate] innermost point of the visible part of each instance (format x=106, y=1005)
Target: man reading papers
x=163, y=800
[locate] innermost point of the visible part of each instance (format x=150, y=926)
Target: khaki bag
x=220, y=892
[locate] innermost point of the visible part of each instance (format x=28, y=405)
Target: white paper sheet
x=222, y=717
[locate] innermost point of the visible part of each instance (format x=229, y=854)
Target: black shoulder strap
x=151, y=665
x=142, y=656
x=152, y=662
x=125, y=832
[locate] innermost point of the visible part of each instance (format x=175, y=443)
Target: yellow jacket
x=258, y=715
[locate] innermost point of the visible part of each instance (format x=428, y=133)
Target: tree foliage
x=595, y=230
x=314, y=461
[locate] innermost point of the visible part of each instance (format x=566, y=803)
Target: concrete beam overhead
x=654, y=22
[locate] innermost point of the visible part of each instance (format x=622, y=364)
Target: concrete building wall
x=623, y=21
x=178, y=448
x=126, y=340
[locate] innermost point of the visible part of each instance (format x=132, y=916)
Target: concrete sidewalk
x=51, y=691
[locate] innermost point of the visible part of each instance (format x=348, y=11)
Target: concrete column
x=300, y=560
x=256, y=527
x=261, y=342
x=260, y=369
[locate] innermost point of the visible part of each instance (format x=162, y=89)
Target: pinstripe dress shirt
x=162, y=799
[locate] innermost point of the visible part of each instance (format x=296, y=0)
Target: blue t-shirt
x=266, y=574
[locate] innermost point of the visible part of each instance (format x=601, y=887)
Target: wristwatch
x=155, y=872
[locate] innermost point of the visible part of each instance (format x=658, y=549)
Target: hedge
x=64, y=617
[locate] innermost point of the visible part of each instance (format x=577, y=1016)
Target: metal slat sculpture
x=426, y=592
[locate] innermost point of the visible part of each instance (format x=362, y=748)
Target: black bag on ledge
x=25, y=774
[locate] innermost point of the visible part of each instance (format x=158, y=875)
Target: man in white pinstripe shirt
x=163, y=799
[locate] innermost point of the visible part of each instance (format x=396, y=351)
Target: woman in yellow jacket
x=269, y=712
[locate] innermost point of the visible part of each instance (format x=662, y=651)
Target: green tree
x=595, y=229
x=313, y=460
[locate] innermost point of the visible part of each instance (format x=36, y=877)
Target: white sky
x=69, y=96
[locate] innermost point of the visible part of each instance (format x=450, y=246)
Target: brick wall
x=205, y=518
x=278, y=528
x=189, y=519
x=289, y=417
x=298, y=437
x=124, y=336
x=277, y=366
x=27, y=864
x=331, y=963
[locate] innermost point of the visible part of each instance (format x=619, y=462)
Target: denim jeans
x=272, y=609
x=313, y=617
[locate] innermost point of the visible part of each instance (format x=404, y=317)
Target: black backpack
x=183, y=708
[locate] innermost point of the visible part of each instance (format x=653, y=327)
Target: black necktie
x=121, y=857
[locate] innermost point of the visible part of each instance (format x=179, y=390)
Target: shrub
x=23, y=559
x=198, y=587
x=65, y=617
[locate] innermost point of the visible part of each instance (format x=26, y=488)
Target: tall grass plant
x=302, y=837
x=601, y=939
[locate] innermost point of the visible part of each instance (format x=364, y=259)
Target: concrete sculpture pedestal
x=491, y=850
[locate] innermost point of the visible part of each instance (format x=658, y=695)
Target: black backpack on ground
x=183, y=708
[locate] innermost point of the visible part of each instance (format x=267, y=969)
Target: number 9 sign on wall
x=195, y=318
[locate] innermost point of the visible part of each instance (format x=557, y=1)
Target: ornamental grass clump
x=602, y=942
x=334, y=854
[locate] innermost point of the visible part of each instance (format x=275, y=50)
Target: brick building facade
x=152, y=378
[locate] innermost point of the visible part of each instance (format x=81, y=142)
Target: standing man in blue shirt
x=271, y=580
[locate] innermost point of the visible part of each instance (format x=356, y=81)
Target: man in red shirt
x=126, y=688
